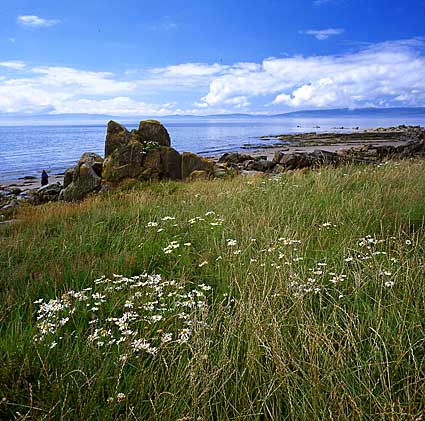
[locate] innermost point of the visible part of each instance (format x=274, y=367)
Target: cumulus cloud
x=81, y=81
x=117, y=106
x=391, y=73
x=180, y=77
x=33, y=21
x=386, y=74
x=322, y=34
x=60, y=88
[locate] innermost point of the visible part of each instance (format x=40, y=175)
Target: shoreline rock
x=86, y=178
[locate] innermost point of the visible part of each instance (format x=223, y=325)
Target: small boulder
x=235, y=158
x=49, y=193
x=30, y=197
x=259, y=165
x=12, y=204
x=93, y=160
x=278, y=156
x=192, y=162
x=223, y=170
x=199, y=175
x=5, y=193
x=15, y=190
x=85, y=178
x=68, y=177
x=258, y=174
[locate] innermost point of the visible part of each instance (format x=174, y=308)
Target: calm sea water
x=26, y=150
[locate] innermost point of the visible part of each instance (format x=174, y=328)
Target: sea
x=27, y=150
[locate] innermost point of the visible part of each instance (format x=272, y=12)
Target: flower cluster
x=150, y=146
x=139, y=314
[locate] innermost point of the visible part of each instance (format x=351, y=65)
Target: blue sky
x=133, y=57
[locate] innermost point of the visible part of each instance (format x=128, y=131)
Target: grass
x=317, y=308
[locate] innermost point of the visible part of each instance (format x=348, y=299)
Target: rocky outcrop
x=117, y=136
x=412, y=138
x=146, y=154
x=143, y=154
x=86, y=178
x=316, y=158
x=410, y=149
x=134, y=161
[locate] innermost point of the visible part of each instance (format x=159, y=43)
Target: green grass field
x=297, y=298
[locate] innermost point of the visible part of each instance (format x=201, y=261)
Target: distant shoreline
x=101, y=119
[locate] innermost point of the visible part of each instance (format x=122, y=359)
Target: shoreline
x=270, y=151
x=30, y=184
x=307, y=142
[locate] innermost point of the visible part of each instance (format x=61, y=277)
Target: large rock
x=85, y=178
x=124, y=162
x=116, y=137
x=192, y=162
x=143, y=154
x=133, y=161
x=294, y=161
x=171, y=163
x=153, y=131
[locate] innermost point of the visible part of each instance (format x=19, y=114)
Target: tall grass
x=317, y=306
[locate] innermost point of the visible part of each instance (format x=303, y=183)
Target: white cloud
x=60, y=88
x=117, y=106
x=15, y=65
x=386, y=74
x=33, y=21
x=81, y=81
x=391, y=73
x=180, y=77
x=189, y=70
x=322, y=34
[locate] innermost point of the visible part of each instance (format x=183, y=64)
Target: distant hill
x=87, y=119
x=357, y=112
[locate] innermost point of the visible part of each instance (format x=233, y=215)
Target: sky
x=137, y=57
